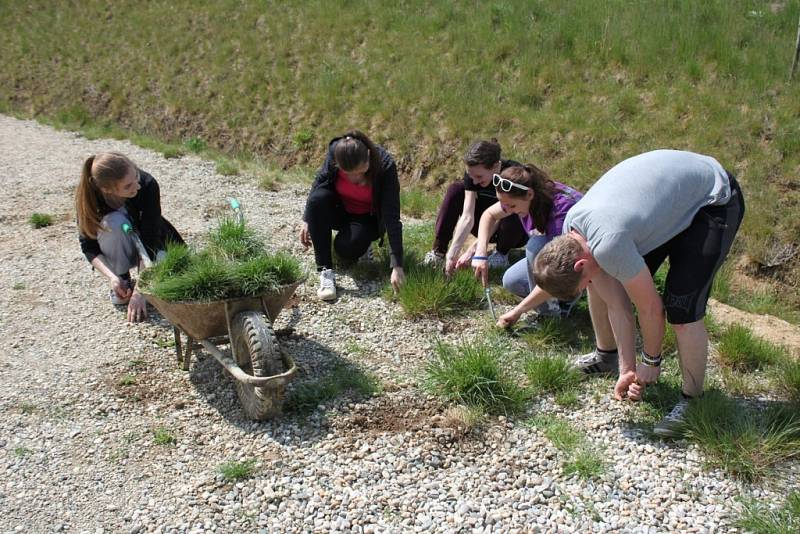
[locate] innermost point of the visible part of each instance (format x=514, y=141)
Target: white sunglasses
x=505, y=184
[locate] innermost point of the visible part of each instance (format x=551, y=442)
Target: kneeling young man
x=657, y=205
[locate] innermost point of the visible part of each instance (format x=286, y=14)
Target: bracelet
x=651, y=361
x=480, y=257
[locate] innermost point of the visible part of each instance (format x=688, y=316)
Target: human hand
x=464, y=259
x=481, y=271
x=305, y=237
x=449, y=266
x=629, y=387
x=121, y=287
x=397, y=279
x=508, y=319
x=647, y=374
x=137, y=308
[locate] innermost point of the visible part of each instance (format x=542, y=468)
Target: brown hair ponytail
x=98, y=172
x=355, y=149
x=542, y=186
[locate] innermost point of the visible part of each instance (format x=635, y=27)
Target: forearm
x=624, y=327
x=99, y=264
x=651, y=323
x=534, y=299
x=463, y=226
x=486, y=229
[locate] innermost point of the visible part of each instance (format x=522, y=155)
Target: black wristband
x=651, y=361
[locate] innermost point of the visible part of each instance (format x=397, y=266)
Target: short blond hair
x=554, y=267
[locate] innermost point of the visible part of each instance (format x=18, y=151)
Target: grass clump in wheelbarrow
x=233, y=265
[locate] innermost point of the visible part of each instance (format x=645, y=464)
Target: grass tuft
x=233, y=470
x=162, y=436
x=427, y=292
x=419, y=203
x=234, y=265
x=788, y=378
x=760, y=518
x=304, y=398
x=40, y=220
x=195, y=144
x=227, y=167
x=740, y=349
x=582, y=459
x=473, y=375
x=744, y=442
x=551, y=373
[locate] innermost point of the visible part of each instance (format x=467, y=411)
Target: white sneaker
x=549, y=308
x=496, y=259
x=433, y=259
x=674, y=423
x=327, y=285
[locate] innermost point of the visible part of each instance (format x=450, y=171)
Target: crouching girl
x=356, y=192
x=114, y=192
x=541, y=205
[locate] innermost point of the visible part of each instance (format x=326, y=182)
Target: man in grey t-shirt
x=657, y=205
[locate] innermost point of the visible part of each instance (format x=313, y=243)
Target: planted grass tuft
x=764, y=519
x=744, y=441
x=427, y=292
x=304, y=398
x=582, y=459
x=788, y=378
x=551, y=373
x=40, y=220
x=233, y=470
x=473, y=375
x=738, y=348
x=162, y=436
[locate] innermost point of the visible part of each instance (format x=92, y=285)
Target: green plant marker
x=237, y=209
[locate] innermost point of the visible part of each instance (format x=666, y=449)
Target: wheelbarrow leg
x=187, y=354
x=178, y=348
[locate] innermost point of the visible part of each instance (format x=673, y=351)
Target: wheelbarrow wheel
x=258, y=354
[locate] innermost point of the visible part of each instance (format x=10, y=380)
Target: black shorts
x=695, y=255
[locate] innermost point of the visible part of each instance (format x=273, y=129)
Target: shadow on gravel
x=324, y=377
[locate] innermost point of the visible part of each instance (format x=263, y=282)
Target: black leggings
x=355, y=232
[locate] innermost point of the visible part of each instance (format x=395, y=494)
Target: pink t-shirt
x=357, y=199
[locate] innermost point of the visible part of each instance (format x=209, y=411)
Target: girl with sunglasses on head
x=540, y=204
x=464, y=203
x=356, y=192
x=114, y=192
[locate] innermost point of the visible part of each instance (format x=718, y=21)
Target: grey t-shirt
x=642, y=203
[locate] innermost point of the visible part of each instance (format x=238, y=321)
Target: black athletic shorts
x=695, y=255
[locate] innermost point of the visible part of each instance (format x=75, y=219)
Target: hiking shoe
x=595, y=363
x=327, y=285
x=674, y=424
x=549, y=308
x=368, y=256
x=497, y=259
x=433, y=259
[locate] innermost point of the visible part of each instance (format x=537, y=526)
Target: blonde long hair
x=99, y=172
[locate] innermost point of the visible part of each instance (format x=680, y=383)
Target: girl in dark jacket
x=113, y=192
x=357, y=193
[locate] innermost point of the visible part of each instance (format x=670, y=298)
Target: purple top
x=563, y=200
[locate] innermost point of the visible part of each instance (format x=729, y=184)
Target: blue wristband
x=480, y=257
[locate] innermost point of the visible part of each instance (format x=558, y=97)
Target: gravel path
x=78, y=451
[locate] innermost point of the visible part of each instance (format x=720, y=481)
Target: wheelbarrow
x=260, y=368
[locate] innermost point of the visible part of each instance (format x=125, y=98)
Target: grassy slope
x=573, y=86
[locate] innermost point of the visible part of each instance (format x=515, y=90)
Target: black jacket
x=385, y=198
x=144, y=212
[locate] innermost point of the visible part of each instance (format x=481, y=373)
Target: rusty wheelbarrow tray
x=261, y=369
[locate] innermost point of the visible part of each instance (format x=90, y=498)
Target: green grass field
x=572, y=86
